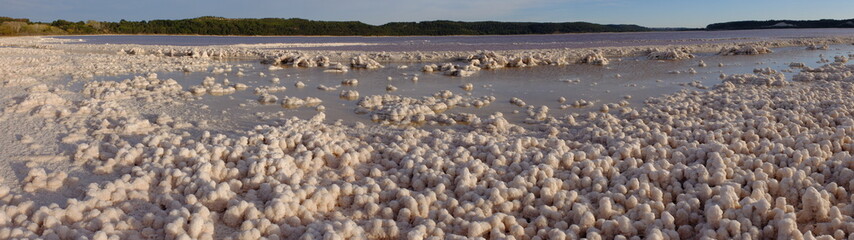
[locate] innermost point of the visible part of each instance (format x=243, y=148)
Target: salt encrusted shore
x=754, y=157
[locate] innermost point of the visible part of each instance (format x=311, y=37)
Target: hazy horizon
x=656, y=14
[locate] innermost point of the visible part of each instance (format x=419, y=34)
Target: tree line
x=296, y=26
x=770, y=24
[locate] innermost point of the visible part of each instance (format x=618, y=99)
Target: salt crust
x=756, y=161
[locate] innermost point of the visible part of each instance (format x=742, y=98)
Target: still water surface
x=470, y=43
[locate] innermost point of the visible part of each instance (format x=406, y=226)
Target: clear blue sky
x=652, y=13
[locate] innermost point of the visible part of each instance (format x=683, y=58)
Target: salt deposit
x=672, y=54
x=757, y=157
x=269, y=89
x=394, y=109
x=294, y=102
x=744, y=50
x=267, y=98
x=349, y=95
x=817, y=47
x=298, y=60
x=350, y=82
x=365, y=62
x=594, y=59
x=325, y=88
x=390, y=88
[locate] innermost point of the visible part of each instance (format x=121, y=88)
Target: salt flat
x=713, y=141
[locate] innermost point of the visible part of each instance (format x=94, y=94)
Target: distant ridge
x=772, y=24
x=294, y=26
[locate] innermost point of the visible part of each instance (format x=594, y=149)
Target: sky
x=649, y=13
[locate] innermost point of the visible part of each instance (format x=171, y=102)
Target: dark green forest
x=295, y=26
x=771, y=24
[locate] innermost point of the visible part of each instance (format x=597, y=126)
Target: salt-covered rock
x=594, y=59
x=744, y=50
x=670, y=54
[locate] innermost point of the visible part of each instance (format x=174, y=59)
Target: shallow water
x=537, y=86
x=470, y=43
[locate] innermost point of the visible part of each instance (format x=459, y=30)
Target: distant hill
x=296, y=26
x=772, y=24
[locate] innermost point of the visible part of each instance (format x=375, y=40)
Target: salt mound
x=830, y=72
x=294, y=102
x=671, y=54
x=297, y=60
x=744, y=50
x=493, y=60
x=390, y=88
x=337, y=68
x=267, y=98
x=19, y=82
x=39, y=179
x=818, y=47
x=451, y=69
x=594, y=59
x=269, y=89
x=349, y=95
x=405, y=110
x=132, y=88
x=350, y=82
x=210, y=86
x=762, y=77
x=39, y=103
x=364, y=62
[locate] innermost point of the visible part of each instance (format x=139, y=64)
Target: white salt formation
x=818, y=47
x=518, y=102
x=364, y=62
x=38, y=179
x=138, y=87
x=337, y=68
x=210, y=86
x=294, y=102
x=744, y=50
x=493, y=60
x=350, y=82
x=762, y=77
x=326, y=88
x=349, y=95
x=266, y=98
x=671, y=54
x=451, y=69
x=390, y=88
x=40, y=104
x=830, y=72
x=298, y=60
x=594, y=59
x=269, y=89
x=403, y=110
